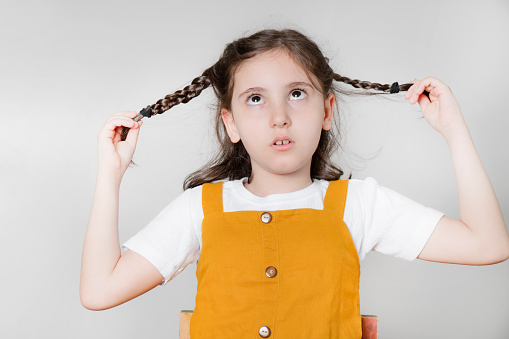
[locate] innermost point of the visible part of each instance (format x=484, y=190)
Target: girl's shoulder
x=356, y=187
x=363, y=186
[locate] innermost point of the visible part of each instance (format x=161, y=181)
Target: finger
x=127, y=114
x=436, y=88
x=125, y=132
x=424, y=101
x=113, y=124
x=409, y=92
x=121, y=115
x=119, y=130
x=110, y=128
x=132, y=136
x=426, y=84
x=113, y=118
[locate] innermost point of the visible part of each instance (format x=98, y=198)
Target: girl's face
x=277, y=113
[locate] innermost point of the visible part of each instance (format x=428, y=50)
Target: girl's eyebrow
x=252, y=89
x=290, y=85
x=300, y=84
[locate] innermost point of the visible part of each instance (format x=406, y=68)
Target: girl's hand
x=113, y=154
x=441, y=110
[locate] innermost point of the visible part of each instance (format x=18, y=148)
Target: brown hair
x=232, y=160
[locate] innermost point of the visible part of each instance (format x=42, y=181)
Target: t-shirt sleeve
x=170, y=241
x=386, y=221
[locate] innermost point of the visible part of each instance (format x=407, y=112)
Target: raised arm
x=480, y=236
x=108, y=279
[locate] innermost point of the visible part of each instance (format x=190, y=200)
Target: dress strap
x=212, y=198
x=335, y=197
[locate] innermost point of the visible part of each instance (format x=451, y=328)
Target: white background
x=66, y=65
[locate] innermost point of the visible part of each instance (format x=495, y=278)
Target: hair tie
x=146, y=112
x=395, y=88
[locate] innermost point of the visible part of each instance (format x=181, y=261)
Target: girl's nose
x=280, y=116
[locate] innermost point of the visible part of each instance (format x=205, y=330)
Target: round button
x=266, y=217
x=271, y=272
x=264, y=332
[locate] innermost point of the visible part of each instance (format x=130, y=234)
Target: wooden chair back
x=369, y=325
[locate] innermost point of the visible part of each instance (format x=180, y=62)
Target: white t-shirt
x=378, y=218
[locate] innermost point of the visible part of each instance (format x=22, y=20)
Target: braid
x=232, y=160
x=361, y=84
x=181, y=96
x=369, y=85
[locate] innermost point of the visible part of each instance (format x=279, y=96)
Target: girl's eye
x=297, y=94
x=254, y=99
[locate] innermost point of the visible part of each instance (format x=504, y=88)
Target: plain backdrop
x=66, y=65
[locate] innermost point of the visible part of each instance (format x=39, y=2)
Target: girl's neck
x=275, y=184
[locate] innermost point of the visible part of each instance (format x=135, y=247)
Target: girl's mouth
x=283, y=144
x=282, y=140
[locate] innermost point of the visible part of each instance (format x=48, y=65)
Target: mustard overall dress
x=279, y=274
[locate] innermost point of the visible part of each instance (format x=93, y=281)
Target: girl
x=278, y=236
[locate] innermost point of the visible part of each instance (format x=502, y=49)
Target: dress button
x=271, y=272
x=266, y=217
x=264, y=332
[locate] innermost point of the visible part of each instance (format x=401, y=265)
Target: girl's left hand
x=441, y=110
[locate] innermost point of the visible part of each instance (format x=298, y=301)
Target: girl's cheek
x=255, y=110
x=301, y=104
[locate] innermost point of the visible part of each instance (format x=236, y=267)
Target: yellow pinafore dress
x=277, y=274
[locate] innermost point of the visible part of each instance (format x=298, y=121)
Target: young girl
x=278, y=236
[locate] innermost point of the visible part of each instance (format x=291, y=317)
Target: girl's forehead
x=270, y=67
x=268, y=59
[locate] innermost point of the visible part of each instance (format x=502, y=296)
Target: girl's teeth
x=282, y=142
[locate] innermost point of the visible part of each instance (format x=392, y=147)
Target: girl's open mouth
x=283, y=145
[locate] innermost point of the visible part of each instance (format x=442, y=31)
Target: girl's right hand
x=113, y=154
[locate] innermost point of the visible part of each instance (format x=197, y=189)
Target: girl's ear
x=229, y=123
x=329, y=111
